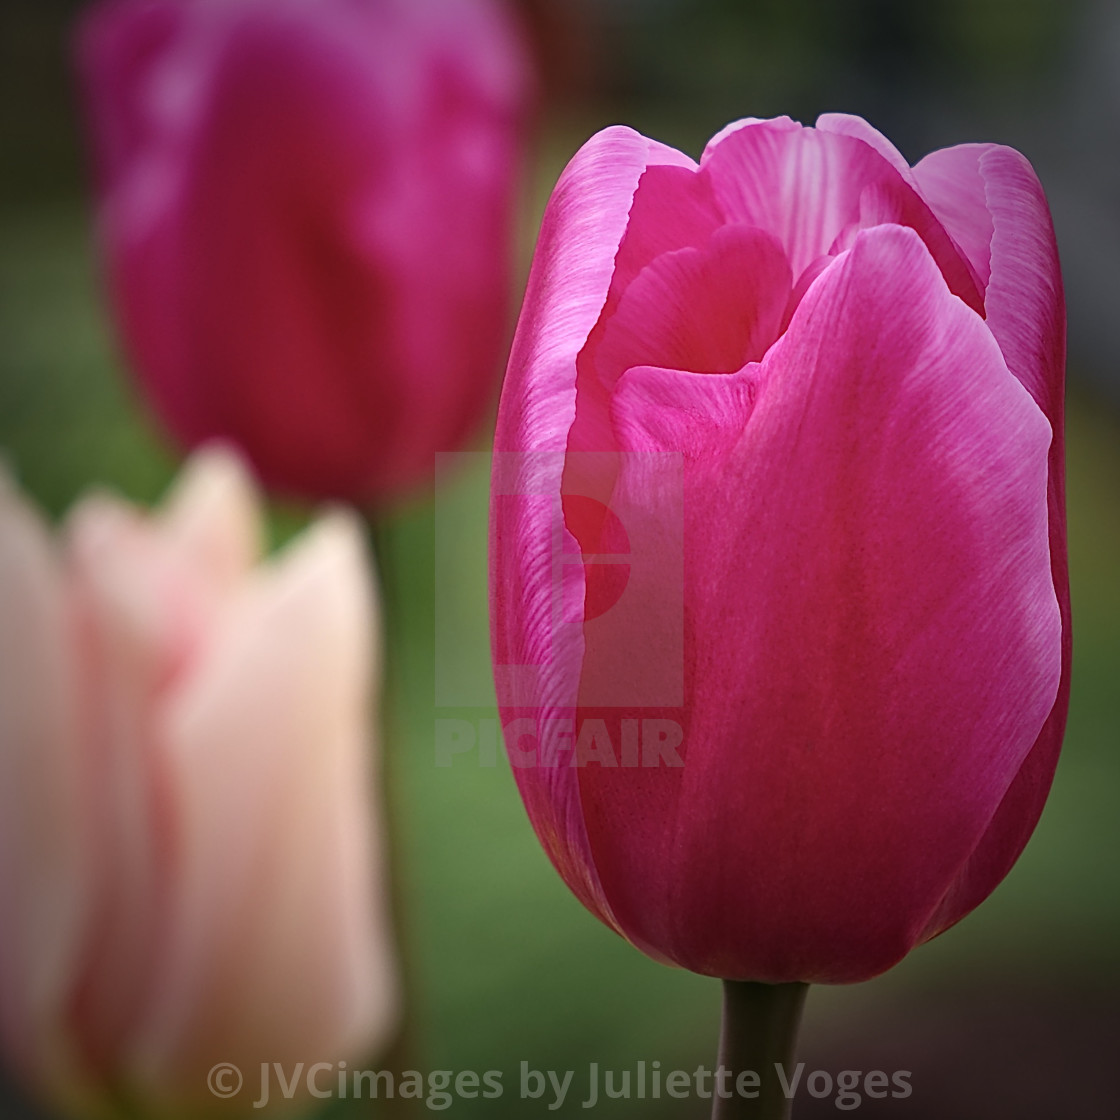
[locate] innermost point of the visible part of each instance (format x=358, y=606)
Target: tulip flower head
x=778, y=557
x=189, y=867
x=306, y=213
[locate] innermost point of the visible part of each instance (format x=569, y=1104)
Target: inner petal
x=705, y=310
x=891, y=202
x=673, y=208
x=801, y=185
x=814, y=190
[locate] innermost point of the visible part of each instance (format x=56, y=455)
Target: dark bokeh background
x=1013, y=1013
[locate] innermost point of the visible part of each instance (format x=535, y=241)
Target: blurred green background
x=1014, y=1012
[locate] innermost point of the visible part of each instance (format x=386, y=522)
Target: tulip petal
x=278, y=945
x=672, y=208
x=1026, y=314
x=43, y=817
x=950, y=182
x=881, y=558
x=708, y=310
x=1026, y=306
x=847, y=124
x=656, y=409
x=128, y=107
x=211, y=519
x=801, y=185
x=536, y=659
x=812, y=190
x=141, y=617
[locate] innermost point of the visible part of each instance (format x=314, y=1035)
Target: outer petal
x=43, y=816
x=1026, y=306
x=141, y=616
x=134, y=107
x=1026, y=314
x=443, y=223
x=211, y=519
x=537, y=658
x=868, y=659
x=277, y=945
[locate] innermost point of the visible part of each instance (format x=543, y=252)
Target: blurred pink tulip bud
x=306, y=214
x=778, y=549
x=189, y=867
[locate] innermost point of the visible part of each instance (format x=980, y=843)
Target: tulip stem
x=757, y=1038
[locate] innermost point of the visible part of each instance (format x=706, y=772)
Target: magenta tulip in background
x=306, y=213
x=189, y=850
x=804, y=402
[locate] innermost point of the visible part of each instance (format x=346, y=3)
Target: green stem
x=758, y=1033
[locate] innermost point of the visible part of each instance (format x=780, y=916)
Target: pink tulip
x=306, y=212
x=188, y=866
x=798, y=408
